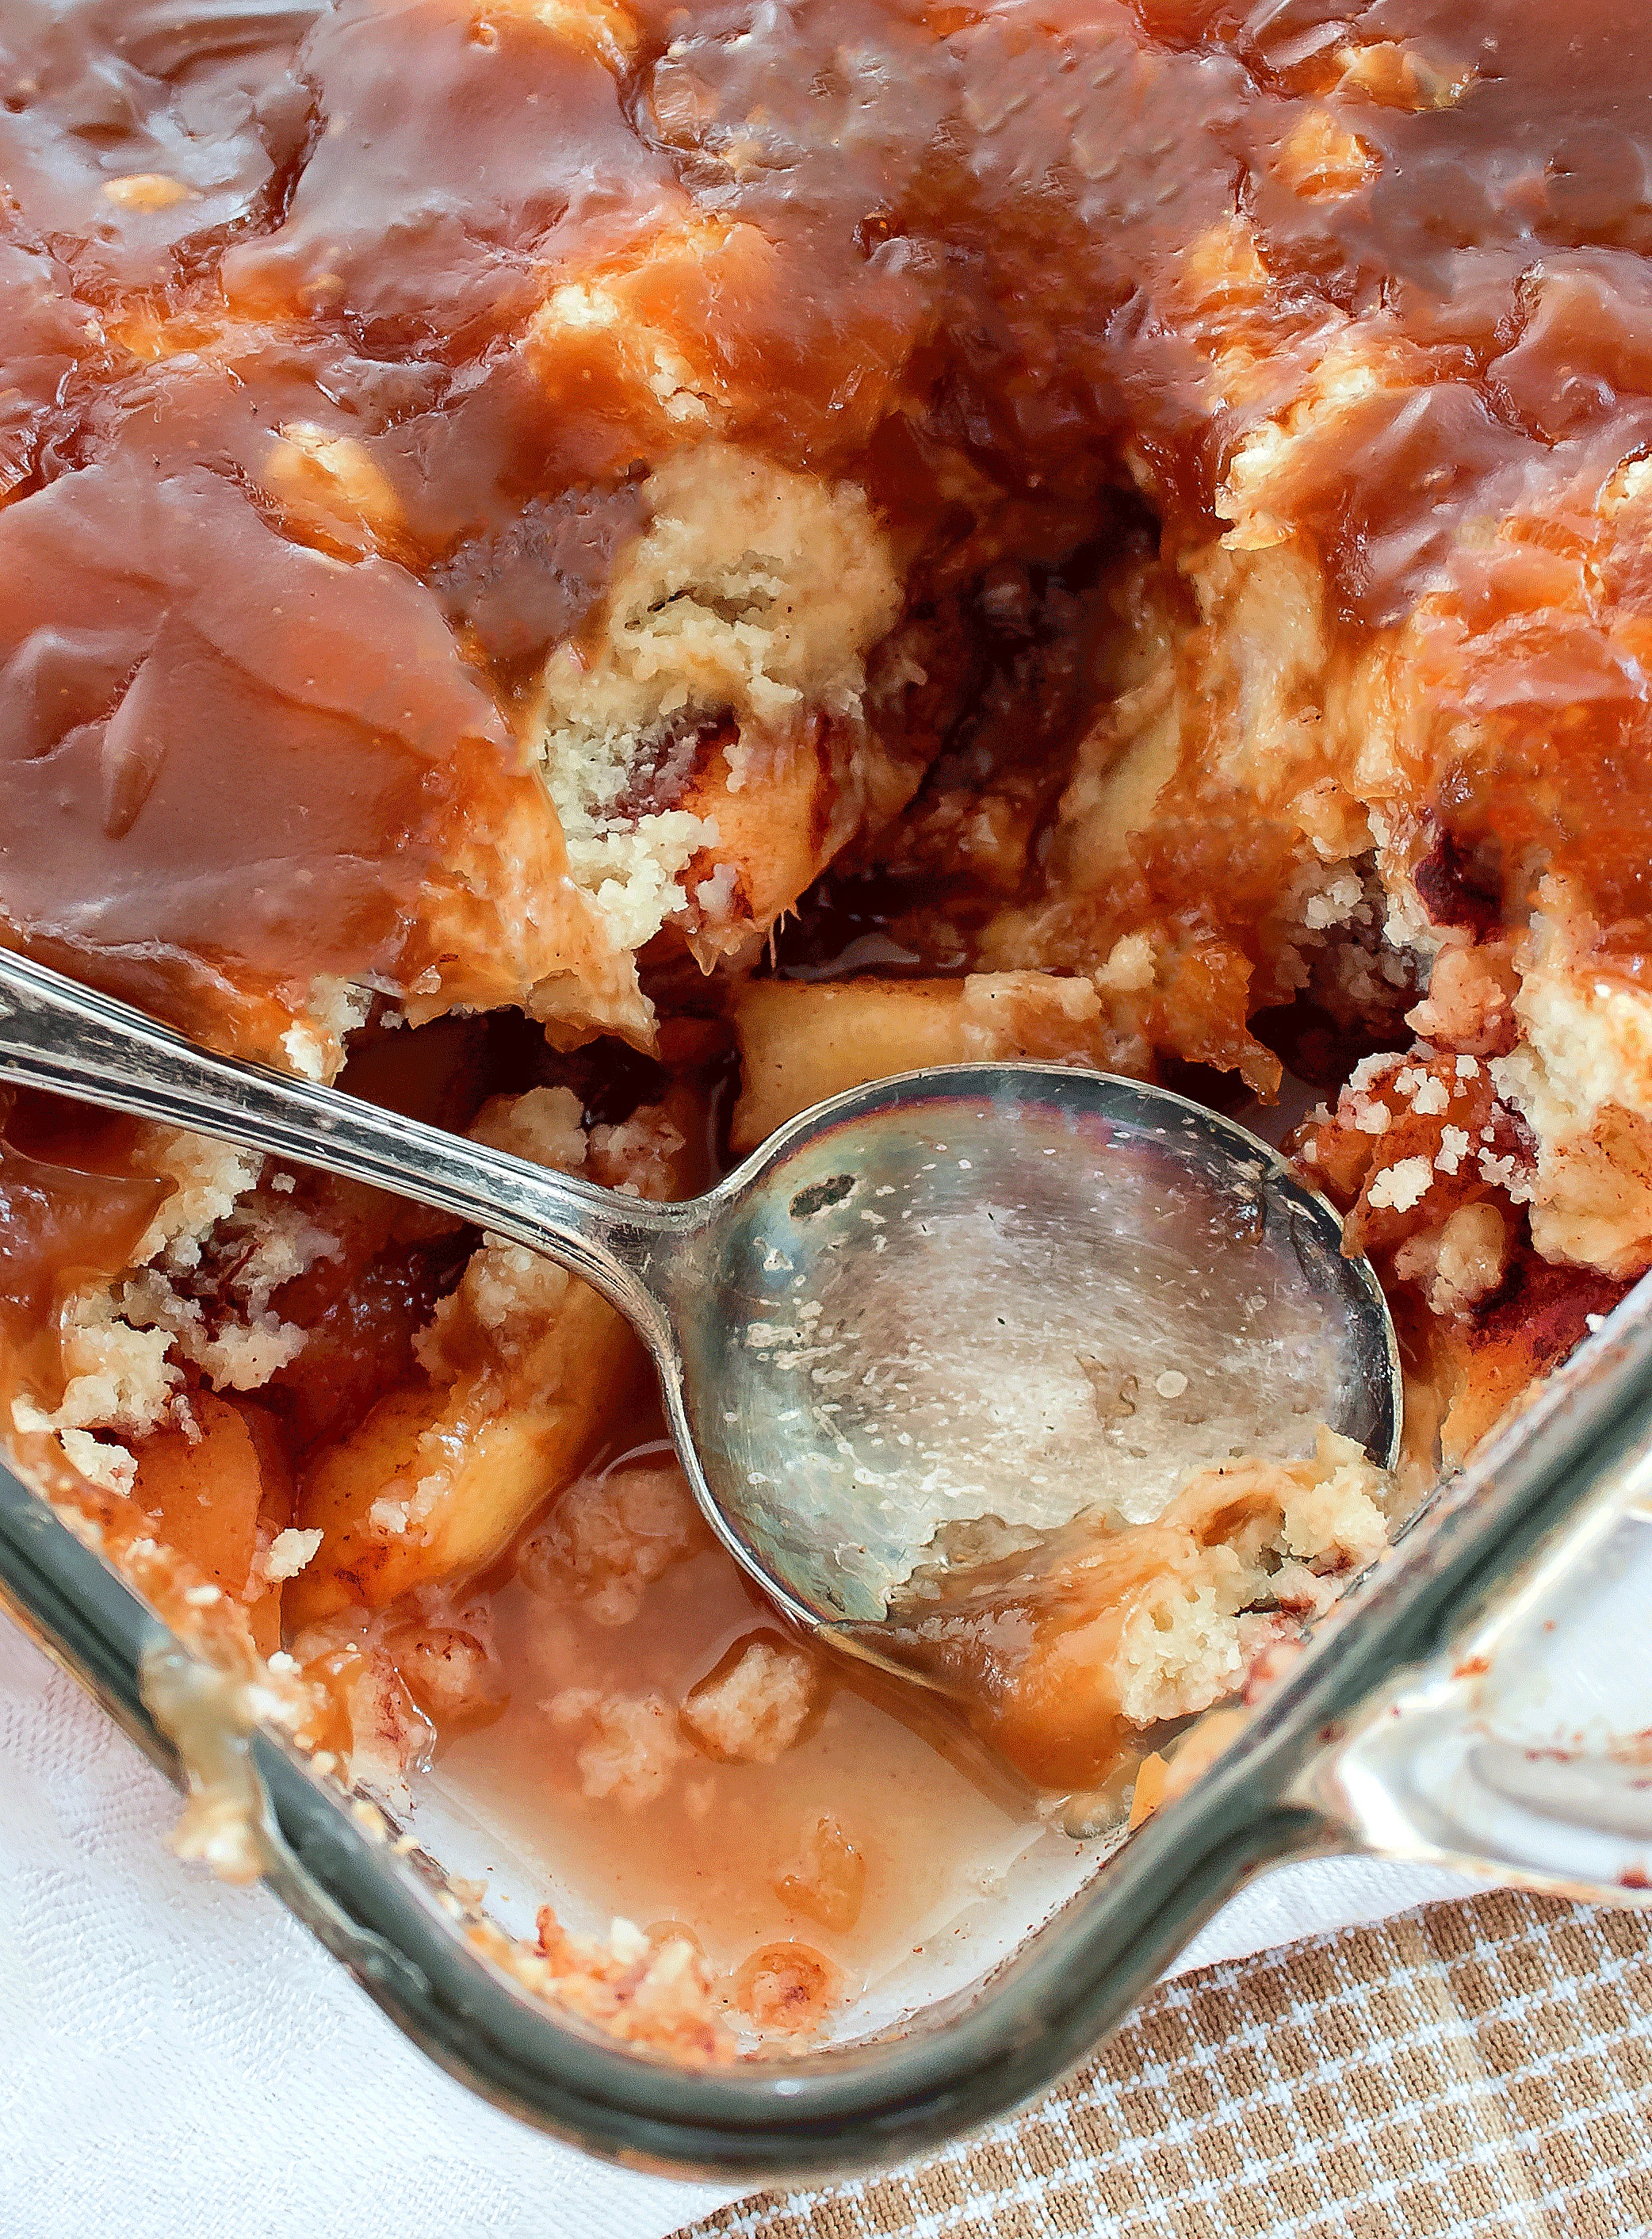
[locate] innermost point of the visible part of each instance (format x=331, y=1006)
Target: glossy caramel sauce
x=893, y=241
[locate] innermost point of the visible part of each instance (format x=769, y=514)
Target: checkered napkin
x=1481, y=2069
x=178, y=2060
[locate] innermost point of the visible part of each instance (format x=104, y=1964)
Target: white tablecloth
x=178, y=2060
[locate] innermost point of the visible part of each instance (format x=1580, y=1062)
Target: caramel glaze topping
x=889, y=237
x=244, y=714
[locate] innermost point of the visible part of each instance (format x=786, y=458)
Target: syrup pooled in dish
x=601, y=573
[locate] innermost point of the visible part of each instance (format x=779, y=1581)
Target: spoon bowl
x=1017, y=1291
x=1013, y=1291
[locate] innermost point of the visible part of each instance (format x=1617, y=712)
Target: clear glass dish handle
x=1523, y=1748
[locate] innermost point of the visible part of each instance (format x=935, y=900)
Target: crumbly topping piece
x=759, y=1705
x=752, y=597
x=660, y=1996
x=631, y=1744
x=609, y=1538
x=1066, y=1659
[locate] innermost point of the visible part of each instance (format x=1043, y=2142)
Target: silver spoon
x=1017, y=1291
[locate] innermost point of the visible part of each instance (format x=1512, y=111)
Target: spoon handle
x=56, y=1035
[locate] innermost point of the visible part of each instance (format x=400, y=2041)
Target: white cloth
x=178, y=2060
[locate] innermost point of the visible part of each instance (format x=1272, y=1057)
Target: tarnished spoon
x=1014, y=1290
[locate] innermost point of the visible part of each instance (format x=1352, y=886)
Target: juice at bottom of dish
x=665, y=1754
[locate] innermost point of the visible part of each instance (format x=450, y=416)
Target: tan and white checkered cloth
x=1481, y=2070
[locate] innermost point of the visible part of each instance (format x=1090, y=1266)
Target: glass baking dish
x=1480, y=1696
